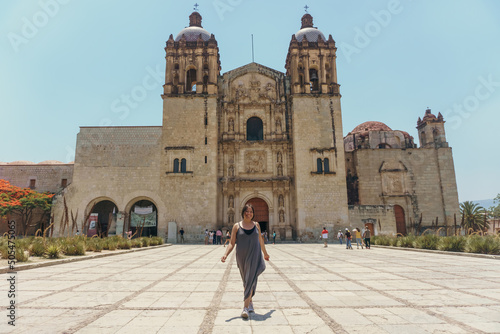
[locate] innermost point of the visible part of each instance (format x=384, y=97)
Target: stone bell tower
x=316, y=131
x=188, y=167
x=431, y=130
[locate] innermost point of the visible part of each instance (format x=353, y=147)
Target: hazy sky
x=71, y=63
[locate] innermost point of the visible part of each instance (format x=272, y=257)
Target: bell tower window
x=191, y=80
x=313, y=76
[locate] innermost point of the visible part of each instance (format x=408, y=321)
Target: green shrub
x=53, y=251
x=77, y=248
x=452, y=244
x=407, y=241
x=146, y=242
x=22, y=254
x=137, y=243
x=156, y=241
x=427, y=241
x=483, y=245
x=112, y=245
x=125, y=244
x=4, y=251
x=383, y=240
x=37, y=248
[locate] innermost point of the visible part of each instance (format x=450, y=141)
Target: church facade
x=256, y=135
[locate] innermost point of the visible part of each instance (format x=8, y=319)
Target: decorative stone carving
x=230, y=203
x=279, y=157
x=255, y=161
x=282, y=216
x=230, y=171
x=230, y=125
x=280, y=170
x=278, y=125
x=281, y=201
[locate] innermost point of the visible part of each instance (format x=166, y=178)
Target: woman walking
x=250, y=255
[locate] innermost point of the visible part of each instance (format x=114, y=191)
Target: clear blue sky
x=67, y=63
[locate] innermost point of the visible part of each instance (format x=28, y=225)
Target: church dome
x=365, y=127
x=308, y=31
x=194, y=30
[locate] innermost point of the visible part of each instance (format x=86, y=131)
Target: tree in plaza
x=494, y=211
x=474, y=216
x=23, y=202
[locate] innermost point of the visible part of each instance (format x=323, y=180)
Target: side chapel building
x=256, y=135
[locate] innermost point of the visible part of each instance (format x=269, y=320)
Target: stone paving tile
x=305, y=289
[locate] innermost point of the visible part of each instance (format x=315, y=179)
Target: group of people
x=216, y=237
x=362, y=239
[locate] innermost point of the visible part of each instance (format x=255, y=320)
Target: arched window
x=327, y=165
x=313, y=78
x=422, y=139
x=183, y=165
x=190, y=80
x=319, y=164
x=255, y=129
x=435, y=134
x=176, y=166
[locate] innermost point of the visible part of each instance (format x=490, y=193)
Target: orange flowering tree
x=23, y=202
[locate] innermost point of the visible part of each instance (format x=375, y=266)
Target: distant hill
x=485, y=203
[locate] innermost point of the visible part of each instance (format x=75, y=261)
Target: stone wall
x=317, y=134
x=421, y=181
x=119, y=164
x=380, y=216
x=48, y=177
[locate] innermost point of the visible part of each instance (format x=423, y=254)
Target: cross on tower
x=196, y=7
x=306, y=7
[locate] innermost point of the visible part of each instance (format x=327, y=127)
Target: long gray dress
x=249, y=258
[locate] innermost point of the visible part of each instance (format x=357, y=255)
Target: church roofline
x=120, y=126
x=250, y=67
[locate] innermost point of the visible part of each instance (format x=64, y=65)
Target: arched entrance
x=103, y=215
x=144, y=219
x=400, y=220
x=261, y=213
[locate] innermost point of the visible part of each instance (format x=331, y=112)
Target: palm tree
x=474, y=216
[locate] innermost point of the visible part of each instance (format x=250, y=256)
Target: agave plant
x=474, y=216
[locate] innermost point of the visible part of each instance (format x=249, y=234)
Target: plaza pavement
x=305, y=289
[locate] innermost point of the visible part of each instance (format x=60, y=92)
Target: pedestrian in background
x=366, y=235
x=324, y=234
x=340, y=236
x=348, y=239
x=218, y=234
x=181, y=232
x=357, y=234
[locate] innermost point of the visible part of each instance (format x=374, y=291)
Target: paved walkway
x=305, y=289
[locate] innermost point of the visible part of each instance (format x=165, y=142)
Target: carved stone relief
x=230, y=203
x=255, y=161
x=280, y=170
x=393, y=183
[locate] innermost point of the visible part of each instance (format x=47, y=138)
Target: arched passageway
x=144, y=219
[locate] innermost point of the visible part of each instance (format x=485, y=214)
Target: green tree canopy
x=474, y=216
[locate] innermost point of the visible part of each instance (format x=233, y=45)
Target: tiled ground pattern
x=305, y=289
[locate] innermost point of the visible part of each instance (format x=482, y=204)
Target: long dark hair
x=245, y=209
